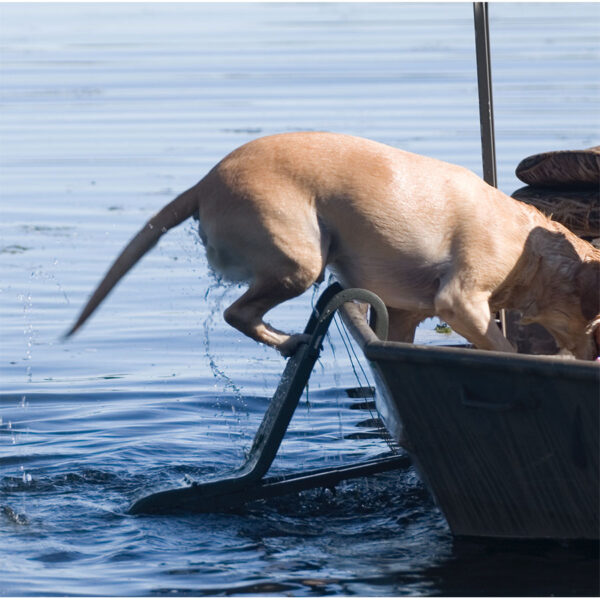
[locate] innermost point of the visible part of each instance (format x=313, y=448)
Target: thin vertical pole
x=486, y=104
x=484, y=84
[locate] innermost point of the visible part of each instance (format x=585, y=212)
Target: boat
x=507, y=444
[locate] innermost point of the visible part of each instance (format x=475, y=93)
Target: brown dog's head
x=565, y=291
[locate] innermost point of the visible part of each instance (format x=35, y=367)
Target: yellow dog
x=428, y=237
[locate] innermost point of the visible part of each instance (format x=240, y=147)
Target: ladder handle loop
x=381, y=321
x=332, y=299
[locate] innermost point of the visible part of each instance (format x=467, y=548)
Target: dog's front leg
x=247, y=312
x=403, y=324
x=469, y=314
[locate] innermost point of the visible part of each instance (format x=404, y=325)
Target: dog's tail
x=174, y=213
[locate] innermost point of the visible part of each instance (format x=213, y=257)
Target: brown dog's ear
x=588, y=288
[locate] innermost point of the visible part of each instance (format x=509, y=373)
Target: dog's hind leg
x=468, y=313
x=247, y=312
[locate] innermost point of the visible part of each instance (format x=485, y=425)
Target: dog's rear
x=428, y=237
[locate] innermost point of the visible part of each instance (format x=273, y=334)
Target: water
x=106, y=112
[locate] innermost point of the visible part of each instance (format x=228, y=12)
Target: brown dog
x=428, y=237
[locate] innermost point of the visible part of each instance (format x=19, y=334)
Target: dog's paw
x=291, y=345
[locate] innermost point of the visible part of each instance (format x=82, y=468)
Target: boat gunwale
x=378, y=350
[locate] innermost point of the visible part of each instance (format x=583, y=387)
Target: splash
x=28, y=330
x=13, y=516
x=216, y=308
x=25, y=476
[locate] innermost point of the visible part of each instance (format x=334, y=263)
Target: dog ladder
x=248, y=482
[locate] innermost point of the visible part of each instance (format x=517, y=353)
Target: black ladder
x=248, y=482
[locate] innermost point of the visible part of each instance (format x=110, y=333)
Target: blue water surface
x=107, y=111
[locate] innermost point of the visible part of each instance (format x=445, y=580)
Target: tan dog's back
x=386, y=219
